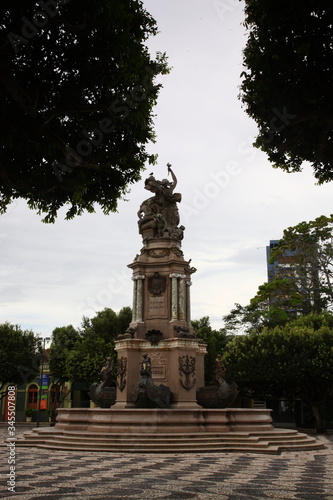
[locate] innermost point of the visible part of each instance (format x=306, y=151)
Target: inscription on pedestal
x=157, y=308
x=158, y=362
x=159, y=372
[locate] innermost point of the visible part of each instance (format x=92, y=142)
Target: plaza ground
x=42, y=474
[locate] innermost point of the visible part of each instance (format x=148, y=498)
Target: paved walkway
x=53, y=475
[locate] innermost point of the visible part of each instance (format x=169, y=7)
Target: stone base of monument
x=161, y=421
x=167, y=431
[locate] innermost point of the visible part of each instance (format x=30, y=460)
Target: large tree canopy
x=287, y=84
x=77, y=90
x=290, y=361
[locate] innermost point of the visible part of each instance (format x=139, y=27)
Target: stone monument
x=160, y=366
x=161, y=323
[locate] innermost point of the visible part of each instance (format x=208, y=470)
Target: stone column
x=135, y=289
x=174, y=297
x=137, y=299
x=188, y=301
x=182, y=297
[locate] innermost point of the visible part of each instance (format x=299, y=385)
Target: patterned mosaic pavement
x=52, y=475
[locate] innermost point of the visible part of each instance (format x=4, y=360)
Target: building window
x=32, y=396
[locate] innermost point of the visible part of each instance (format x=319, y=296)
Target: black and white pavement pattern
x=42, y=474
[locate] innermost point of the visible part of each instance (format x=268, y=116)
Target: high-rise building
x=271, y=268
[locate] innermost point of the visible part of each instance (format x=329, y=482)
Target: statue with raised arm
x=158, y=215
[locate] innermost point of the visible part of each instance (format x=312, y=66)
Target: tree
x=107, y=324
x=275, y=303
x=293, y=361
x=124, y=319
x=216, y=341
x=77, y=91
x=19, y=355
x=80, y=355
x=260, y=312
x=97, y=342
x=302, y=283
x=305, y=255
x=287, y=86
x=63, y=341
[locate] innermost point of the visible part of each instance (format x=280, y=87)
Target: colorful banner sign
x=44, y=392
x=43, y=404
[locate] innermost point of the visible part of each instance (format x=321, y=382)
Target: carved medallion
x=157, y=285
x=121, y=373
x=187, y=371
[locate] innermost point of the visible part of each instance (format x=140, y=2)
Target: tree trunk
x=320, y=422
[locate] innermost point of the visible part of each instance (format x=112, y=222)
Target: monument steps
x=275, y=441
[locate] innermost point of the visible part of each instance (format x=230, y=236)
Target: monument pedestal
x=160, y=333
x=175, y=363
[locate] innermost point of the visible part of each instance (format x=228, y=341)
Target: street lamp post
x=42, y=340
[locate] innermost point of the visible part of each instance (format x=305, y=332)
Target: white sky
x=234, y=202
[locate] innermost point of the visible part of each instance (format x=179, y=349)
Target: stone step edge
x=269, y=450
x=201, y=449
x=169, y=440
x=141, y=444
x=168, y=446
x=172, y=436
x=155, y=435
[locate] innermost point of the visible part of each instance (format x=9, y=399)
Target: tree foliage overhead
x=77, y=87
x=287, y=85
